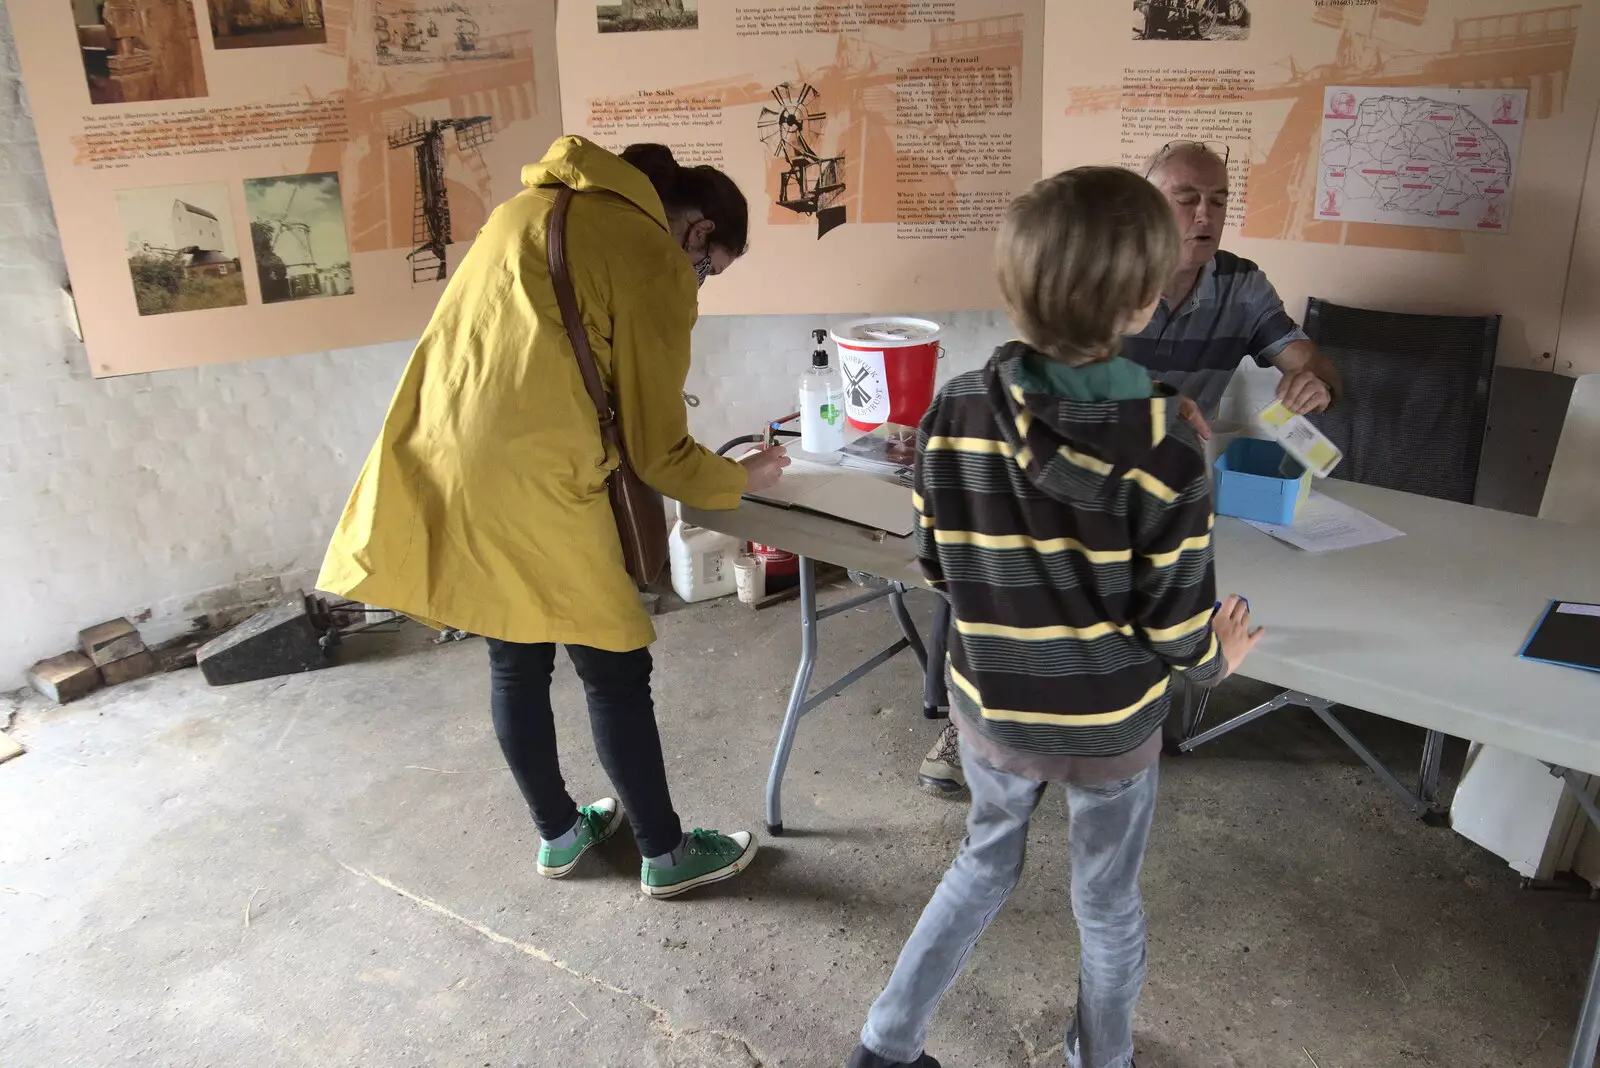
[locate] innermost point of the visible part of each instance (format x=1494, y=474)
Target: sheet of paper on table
x=844, y=493
x=1325, y=524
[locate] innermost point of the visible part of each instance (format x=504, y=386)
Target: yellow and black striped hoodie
x=1074, y=540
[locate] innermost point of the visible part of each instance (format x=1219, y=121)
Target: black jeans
x=622, y=717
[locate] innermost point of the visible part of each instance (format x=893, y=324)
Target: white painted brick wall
x=186, y=491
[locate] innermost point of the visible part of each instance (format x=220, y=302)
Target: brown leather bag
x=641, y=519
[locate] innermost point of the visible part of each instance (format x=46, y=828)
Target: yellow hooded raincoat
x=483, y=505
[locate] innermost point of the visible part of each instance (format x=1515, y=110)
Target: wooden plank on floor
x=9, y=747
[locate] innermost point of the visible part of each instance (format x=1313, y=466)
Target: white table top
x=1423, y=629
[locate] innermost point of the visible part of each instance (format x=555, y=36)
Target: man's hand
x=1303, y=392
x=1189, y=412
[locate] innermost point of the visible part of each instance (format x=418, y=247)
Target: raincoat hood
x=585, y=167
x=1074, y=450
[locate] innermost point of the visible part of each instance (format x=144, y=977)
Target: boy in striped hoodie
x=1065, y=511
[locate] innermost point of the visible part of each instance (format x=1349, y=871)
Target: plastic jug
x=702, y=562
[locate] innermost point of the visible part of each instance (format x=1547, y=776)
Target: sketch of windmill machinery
x=430, y=220
x=810, y=183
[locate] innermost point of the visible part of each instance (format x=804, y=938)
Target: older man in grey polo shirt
x=1219, y=308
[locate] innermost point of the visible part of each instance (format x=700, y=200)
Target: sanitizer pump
x=821, y=403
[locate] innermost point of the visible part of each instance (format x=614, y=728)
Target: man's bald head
x=1192, y=152
x=1194, y=180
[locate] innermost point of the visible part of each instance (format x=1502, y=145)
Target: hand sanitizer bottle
x=821, y=403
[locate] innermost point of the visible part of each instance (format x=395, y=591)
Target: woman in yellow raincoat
x=483, y=506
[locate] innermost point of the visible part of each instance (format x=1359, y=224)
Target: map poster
x=878, y=141
x=1420, y=157
x=1313, y=93
x=243, y=178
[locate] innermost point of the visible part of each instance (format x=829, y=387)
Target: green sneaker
x=596, y=823
x=708, y=857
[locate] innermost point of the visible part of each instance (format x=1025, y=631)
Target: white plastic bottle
x=702, y=562
x=821, y=403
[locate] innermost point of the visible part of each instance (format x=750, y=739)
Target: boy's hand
x=1231, y=625
x=1189, y=412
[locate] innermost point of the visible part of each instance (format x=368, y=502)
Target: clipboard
x=1567, y=635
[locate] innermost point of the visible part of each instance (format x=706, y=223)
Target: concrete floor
x=332, y=869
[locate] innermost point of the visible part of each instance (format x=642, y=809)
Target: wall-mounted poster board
x=879, y=142
x=1410, y=155
x=240, y=178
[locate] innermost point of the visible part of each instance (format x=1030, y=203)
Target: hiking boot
x=706, y=857
x=941, y=768
x=596, y=823
x=865, y=1058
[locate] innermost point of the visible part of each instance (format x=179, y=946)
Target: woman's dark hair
x=703, y=189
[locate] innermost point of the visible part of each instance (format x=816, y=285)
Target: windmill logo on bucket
x=866, y=385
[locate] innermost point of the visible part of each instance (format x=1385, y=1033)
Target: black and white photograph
x=297, y=234
x=1191, y=20
x=266, y=23
x=633, y=16
x=181, y=250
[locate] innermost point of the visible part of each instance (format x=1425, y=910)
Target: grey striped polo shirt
x=1233, y=312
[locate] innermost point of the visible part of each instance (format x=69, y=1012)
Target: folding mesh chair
x=1416, y=401
x=1411, y=417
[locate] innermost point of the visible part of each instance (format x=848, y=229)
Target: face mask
x=702, y=269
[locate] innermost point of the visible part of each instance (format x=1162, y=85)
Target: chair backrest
x=1572, y=493
x=1416, y=396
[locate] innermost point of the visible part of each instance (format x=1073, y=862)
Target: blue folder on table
x=1568, y=634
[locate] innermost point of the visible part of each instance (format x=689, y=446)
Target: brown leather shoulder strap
x=571, y=318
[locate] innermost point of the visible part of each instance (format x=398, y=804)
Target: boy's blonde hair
x=1079, y=253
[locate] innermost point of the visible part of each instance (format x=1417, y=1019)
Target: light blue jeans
x=1108, y=831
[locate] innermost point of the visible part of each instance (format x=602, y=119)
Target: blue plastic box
x=1258, y=480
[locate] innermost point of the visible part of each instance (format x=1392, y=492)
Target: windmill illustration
x=430, y=221
x=810, y=184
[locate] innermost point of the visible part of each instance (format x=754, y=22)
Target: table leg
x=1419, y=807
x=1189, y=745
x=1194, y=710
x=797, y=695
x=897, y=601
x=1432, y=757
x=1574, y=783
x=1586, y=1039
x=935, y=694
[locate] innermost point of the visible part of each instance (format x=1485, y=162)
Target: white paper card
x=1578, y=609
x=851, y=495
x=1325, y=524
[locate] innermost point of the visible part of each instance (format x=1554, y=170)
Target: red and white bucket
x=889, y=365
